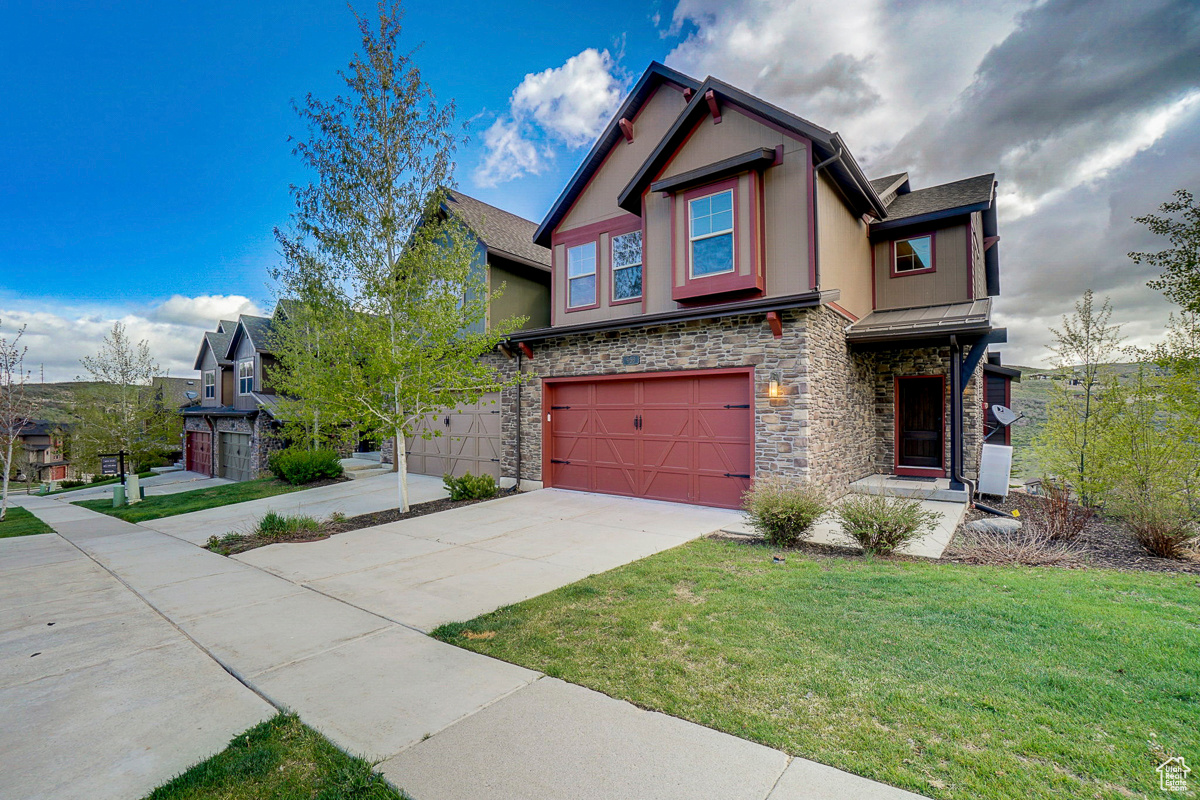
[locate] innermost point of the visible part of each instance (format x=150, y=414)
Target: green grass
x=280, y=759
x=168, y=505
x=109, y=482
x=21, y=522
x=946, y=680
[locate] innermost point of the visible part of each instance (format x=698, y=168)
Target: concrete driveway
x=457, y=564
x=351, y=498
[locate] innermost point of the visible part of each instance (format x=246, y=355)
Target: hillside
x=55, y=399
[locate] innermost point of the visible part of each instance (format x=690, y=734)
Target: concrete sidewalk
x=351, y=498
x=445, y=722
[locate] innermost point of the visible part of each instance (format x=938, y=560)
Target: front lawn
x=21, y=522
x=280, y=759
x=946, y=680
x=168, y=505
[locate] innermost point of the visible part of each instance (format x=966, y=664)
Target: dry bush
x=1163, y=532
x=784, y=510
x=1056, y=517
x=1028, y=547
x=880, y=524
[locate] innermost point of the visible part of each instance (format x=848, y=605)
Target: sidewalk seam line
x=775, y=785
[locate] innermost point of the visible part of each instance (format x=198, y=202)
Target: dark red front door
x=683, y=438
x=919, y=424
x=199, y=452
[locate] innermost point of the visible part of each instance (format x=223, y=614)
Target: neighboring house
x=42, y=445
x=997, y=391
x=175, y=393
x=731, y=296
x=471, y=435
x=229, y=434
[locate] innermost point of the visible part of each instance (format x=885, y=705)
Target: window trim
x=209, y=382
x=612, y=268
x=710, y=190
x=894, y=273
x=594, y=241
x=240, y=377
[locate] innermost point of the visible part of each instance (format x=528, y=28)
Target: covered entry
x=234, y=456
x=199, y=452
x=686, y=437
x=469, y=441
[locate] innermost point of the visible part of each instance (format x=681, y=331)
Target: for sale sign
x=108, y=465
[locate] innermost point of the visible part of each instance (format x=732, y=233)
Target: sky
x=145, y=155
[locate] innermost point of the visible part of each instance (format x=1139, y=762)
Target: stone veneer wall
x=820, y=429
x=263, y=440
x=887, y=365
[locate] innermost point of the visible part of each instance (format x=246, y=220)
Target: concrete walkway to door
x=443, y=722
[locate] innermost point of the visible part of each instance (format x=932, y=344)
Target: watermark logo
x=1173, y=774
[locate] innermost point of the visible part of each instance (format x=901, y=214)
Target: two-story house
x=228, y=434
x=732, y=296
x=42, y=451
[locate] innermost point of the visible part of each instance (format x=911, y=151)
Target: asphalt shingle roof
x=969, y=191
x=219, y=342
x=499, y=230
x=259, y=329
x=881, y=185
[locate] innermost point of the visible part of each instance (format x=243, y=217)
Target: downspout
x=519, y=425
x=837, y=156
x=957, y=481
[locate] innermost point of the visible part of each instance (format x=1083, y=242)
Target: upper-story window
x=581, y=275
x=627, y=266
x=210, y=384
x=246, y=376
x=710, y=234
x=913, y=255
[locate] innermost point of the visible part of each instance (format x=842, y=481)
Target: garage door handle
x=743, y=405
x=736, y=475
x=558, y=461
x=559, y=406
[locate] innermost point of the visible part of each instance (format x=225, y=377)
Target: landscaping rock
x=994, y=525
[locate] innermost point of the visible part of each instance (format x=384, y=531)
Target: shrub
x=470, y=487
x=70, y=484
x=880, y=524
x=102, y=478
x=1163, y=531
x=1029, y=547
x=304, y=466
x=1058, y=517
x=783, y=511
x=150, y=462
x=273, y=525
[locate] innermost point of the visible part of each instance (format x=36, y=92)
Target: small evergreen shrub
x=783, y=511
x=102, y=478
x=298, y=467
x=470, y=487
x=880, y=524
x=69, y=484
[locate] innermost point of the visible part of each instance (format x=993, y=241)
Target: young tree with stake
x=388, y=284
x=16, y=408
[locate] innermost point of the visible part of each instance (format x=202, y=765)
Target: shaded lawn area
x=280, y=759
x=168, y=505
x=21, y=522
x=946, y=680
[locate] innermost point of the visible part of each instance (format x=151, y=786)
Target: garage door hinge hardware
x=559, y=407
x=736, y=475
x=558, y=461
x=743, y=405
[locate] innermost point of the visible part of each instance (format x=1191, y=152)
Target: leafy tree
x=17, y=408
x=387, y=286
x=119, y=410
x=1180, y=263
x=1085, y=342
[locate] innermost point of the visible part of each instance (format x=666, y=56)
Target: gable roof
x=218, y=342
x=501, y=232
x=655, y=76
x=958, y=197
x=827, y=145
x=882, y=185
x=258, y=329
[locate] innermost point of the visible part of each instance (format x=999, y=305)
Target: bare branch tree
x=16, y=407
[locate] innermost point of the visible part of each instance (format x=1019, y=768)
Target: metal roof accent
x=971, y=316
x=758, y=158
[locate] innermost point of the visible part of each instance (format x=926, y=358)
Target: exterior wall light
x=773, y=389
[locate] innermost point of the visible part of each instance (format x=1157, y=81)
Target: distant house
x=44, y=458
x=176, y=393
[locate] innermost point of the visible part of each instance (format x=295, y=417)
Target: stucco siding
x=844, y=251
x=947, y=284
x=523, y=295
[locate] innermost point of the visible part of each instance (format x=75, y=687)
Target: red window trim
x=592, y=233
x=932, y=255
x=698, y=289
x=919, y=472
x=707, y=191
x=628, y=226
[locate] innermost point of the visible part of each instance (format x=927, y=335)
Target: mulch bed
x=328, y=529
x=1105, y=543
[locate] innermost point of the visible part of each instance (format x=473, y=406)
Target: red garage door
x=687, y=438
x=199, y=452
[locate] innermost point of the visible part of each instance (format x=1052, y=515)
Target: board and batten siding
x=978, y=268
x=209, y=362
x=946, y=284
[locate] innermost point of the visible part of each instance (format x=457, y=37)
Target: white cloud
x=570, y=105
x=58, y=335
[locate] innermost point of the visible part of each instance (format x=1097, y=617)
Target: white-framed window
x=581, y=275
x=210, y=384
x=710, y=234
x=627, y=266
x=914, y=255
x=246, y=376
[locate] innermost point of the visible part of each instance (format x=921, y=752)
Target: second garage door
x=684, y=438
x=469, y=441
x=199, y=452
x=234, y=456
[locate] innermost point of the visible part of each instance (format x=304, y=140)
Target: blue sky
x=144, y=154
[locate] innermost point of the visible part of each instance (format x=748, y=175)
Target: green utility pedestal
x=118, y=495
